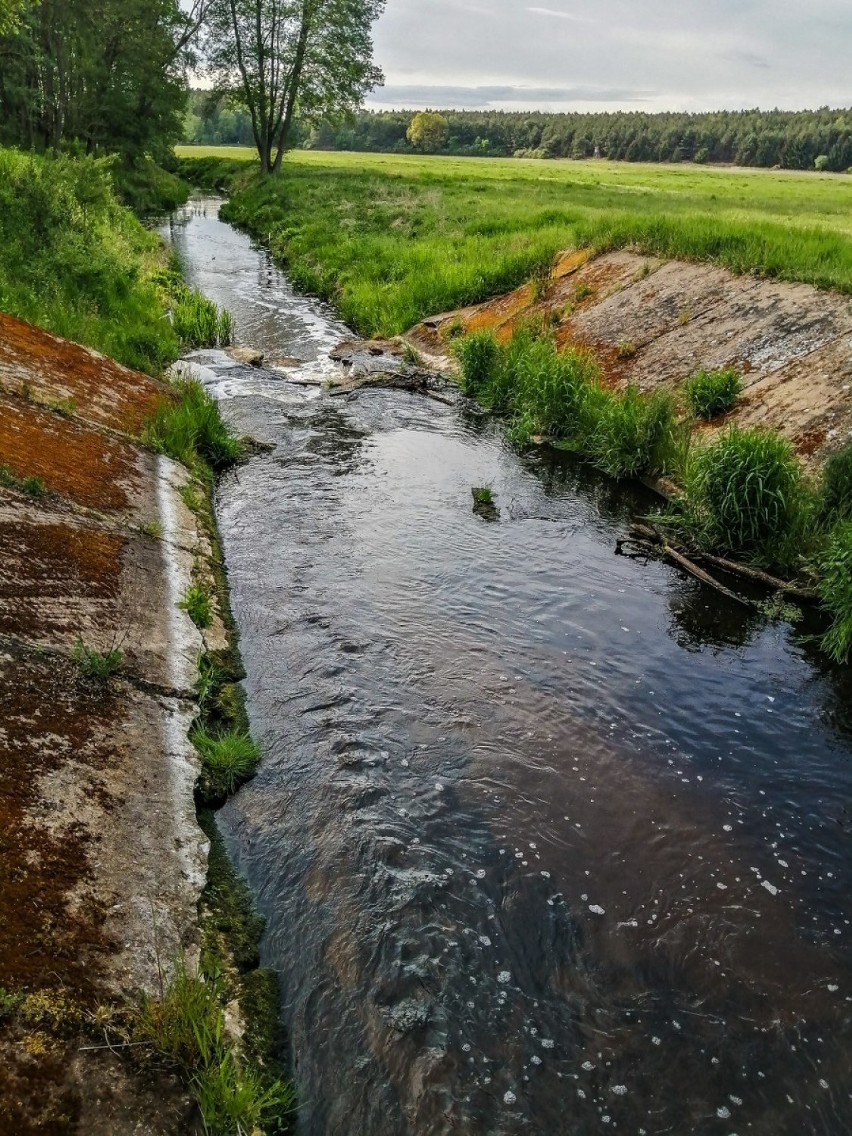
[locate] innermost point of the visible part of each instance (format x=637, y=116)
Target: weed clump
x=478, y=355
x=32, y=486
x=197, y=604
x=633, y=434
x=711, y=393
x=191, y=430
x=745, y=494
x=198, y=322
x=99, y=666
x=229, y=759
x=185, y=1030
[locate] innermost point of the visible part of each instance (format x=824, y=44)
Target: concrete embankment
x=654, y=323
x=103, y=860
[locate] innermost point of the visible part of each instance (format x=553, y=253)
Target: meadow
x=390, y=239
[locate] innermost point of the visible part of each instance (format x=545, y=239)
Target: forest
x=794, y=140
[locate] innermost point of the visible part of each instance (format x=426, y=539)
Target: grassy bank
x=744, y=494
x=391, y=239
x=77, y=262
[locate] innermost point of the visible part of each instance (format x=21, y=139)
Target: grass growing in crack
x=197, y=604
x=411, y=356
x=229, y=759
x=185, y=1029
x=153, y=529
x=32, y=486
x=100, y=666
x=711, y=393
x=191, y=430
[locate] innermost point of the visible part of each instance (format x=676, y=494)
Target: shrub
x=711, y=393
x=745, y=494
x=835, y=589
x=229, y=760
x=550, y=388
x=478, y=355
x=835, y=495
x=191, y=429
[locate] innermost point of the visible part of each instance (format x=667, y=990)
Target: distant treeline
x=795, y=140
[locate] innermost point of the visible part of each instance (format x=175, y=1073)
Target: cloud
x=560, y=15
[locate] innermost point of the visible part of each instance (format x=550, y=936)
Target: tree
x=280, y=57
x=428, y=131
x=10, y=14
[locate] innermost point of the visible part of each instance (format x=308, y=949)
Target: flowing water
x=548, y=840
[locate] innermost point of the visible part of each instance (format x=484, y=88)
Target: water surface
x=548, y=840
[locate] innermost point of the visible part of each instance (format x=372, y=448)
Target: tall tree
x=280, y=57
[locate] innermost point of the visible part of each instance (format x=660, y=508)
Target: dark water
x=548, y=841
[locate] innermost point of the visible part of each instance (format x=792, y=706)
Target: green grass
x=197, y=603
x=836, y=488
x=233, y=153
x=99, y=666
x=483, y=495
x=32, y=486
x=229, y=760
x=390, y=239
x=191, y=430
x=835, y=587
x=711, y=393
x=185, y=1030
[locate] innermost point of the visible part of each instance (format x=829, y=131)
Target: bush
x=191, y=430
x=711, y=393
x=632, y=434
x=835, y=496
x=196, y=603
x=835, y=589
x=550, y=388
x=745, y=494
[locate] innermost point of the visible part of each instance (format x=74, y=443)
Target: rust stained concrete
x=103, y=861
x=654, y=323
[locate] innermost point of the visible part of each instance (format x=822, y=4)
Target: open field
x=391, y=239
x=238, y=153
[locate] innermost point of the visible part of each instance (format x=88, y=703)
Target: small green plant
x=455, y=330
x=744, y=493
x=711, y=393
x=684, y=315
x=541, y=279
x=153, y=529
x=779, y=609
x=197, y=604
x=483, y=495
x=9, y=1003
x=626, y=349
x=835, y=588
x=185, y=1031
x=582, y=292
x=191, y=429
x=32, y=486
x=229, y=759
x=479, y=356
x=99, y=666
x=197, y=321
x=835, y=493
x=192, y=497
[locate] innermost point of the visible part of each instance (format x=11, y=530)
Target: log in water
x=547, y=841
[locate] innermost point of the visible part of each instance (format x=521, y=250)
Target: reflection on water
x=548, y=840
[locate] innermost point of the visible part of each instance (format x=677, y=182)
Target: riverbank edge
x=73, y=408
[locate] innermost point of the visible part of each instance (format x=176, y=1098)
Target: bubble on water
x=547, y=1043
x=504, y=977
x=596, y=909
x=546, y=875
x=535, y=1059
x=724, y=1113
x=722, y=887
x=466, y=1047
x=823, y=1084
x=656, y=1041
x=588, y=1066
x=581, y=1094
x=533, y=846
x=619, y=1090
x=480, y=875
x=509, y=1097
x=769, y=887
x=832, y=988
x=439, y=788
x=735, y=1100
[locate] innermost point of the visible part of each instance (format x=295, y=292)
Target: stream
x=547, y=840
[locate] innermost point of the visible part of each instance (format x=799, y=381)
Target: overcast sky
x=615, y=54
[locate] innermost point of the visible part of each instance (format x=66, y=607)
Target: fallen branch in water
x=650, y=539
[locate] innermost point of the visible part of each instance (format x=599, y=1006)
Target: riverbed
x=548, y=840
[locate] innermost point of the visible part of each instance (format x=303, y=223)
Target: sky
x=615, y=54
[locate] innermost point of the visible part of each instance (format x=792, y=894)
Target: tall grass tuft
x=632, y=433
x=185, y=1029
x=198, y=322
x=478, y=357
x=711, y=393
x=191, y=429
x=835, y=493
x=745, y=494
x=229, y=760
x=835, y=587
